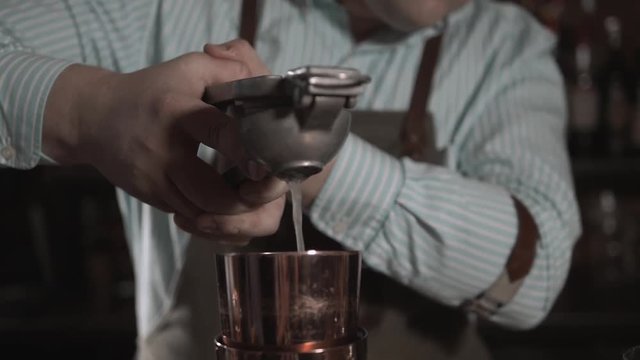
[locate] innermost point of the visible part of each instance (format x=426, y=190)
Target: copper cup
x=291, y=301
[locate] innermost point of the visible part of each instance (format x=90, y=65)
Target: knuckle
x=271, y=226
x=240, y=46
x=240, y=69
x=194, y=63
x=163, y=104
x=229, y=228
x=186, y=61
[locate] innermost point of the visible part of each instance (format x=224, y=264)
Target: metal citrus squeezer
x=294, y=124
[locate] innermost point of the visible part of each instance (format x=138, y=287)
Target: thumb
x=222, y=70
x=238, y=50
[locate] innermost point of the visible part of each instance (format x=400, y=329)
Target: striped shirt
x=445, y=231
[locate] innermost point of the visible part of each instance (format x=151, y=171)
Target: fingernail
x=236, y=241
x=210, y=228
x=243, y=241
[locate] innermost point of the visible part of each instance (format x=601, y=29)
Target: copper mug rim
x=293, y=253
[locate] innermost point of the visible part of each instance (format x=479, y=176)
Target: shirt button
x=8, y=152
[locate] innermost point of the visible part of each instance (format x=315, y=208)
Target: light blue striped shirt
x=445, y=231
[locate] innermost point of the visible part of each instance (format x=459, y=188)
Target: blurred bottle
x=612, y=234
x=614, y=119
x=575, y=53
x=583, y=101
x=634, y=133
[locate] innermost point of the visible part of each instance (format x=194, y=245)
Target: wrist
x=74, y=103
x=313, y=185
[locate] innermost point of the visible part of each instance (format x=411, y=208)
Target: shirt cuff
x=351, y=207
x=25, y=82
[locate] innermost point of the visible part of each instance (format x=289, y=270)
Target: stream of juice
x=296, y=204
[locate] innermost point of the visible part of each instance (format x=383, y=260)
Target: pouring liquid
x=296, y=205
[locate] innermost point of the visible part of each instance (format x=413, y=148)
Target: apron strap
x=249, y=21
x=416, y=138
x=418, y=143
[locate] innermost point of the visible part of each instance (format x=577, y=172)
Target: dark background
x=66, y=283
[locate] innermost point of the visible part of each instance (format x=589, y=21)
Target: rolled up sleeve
x=426, y=226
x=25, y=82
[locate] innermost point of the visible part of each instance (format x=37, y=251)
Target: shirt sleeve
x=38, y=40
x=25, y=81
x=447, y=231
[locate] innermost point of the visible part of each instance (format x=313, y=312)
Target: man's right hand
x=142, y=130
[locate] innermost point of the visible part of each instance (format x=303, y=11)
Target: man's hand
x=142, y=130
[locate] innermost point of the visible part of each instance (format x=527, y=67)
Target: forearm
x=73, y=102
x=432, y=229
x=38, y=40
x=420, y=223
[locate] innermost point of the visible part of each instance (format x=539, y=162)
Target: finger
x=158, y=204
x=206, y=70
x=254, y=170
x=263, y=191
x=263, y=221
x=239, y=50
x=159, y=198
x=210, y=126
x=178, y=202
x=168, y=196
x=189, y=225
x=204, y=187
x=163, y=194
